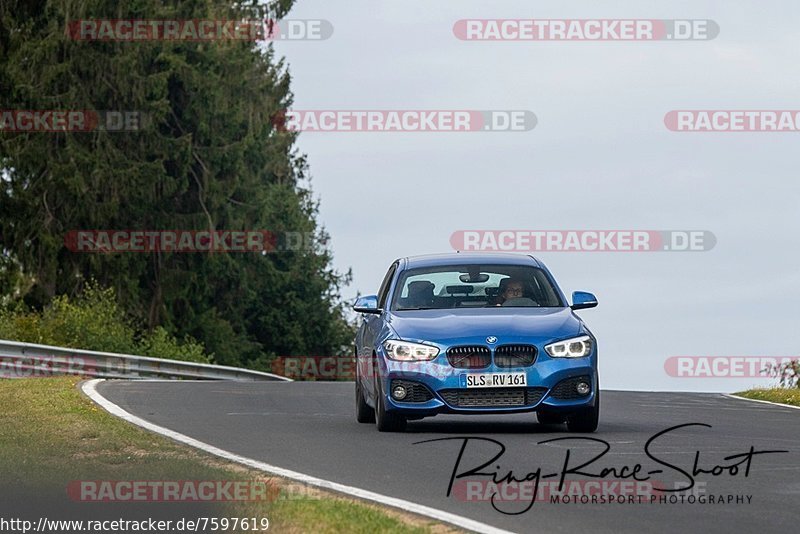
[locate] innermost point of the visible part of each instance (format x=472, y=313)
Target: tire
x=587, y=419
x=387, y=421
x=547, y=418
x=364, y=412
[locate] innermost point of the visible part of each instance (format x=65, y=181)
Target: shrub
x=94, y=321
x=788, y=374
x=161, y=344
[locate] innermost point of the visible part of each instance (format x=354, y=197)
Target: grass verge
x=779, y=395
x=50, y=435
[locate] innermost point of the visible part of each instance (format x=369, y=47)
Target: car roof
x=466, y=258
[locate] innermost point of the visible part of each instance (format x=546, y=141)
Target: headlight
x=577, y=347
x=408, y=352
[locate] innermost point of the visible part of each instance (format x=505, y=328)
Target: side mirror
x=582, y=300
x=368, y=304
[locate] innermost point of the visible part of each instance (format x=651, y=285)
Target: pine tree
x=208, y=158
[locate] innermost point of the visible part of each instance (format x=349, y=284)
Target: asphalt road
x=310, y=427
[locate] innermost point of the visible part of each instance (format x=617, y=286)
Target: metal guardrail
x=21, y=360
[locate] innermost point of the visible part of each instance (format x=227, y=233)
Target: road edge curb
x=89, y=388
x=761, y=401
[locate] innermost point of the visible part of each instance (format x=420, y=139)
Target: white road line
x=90, y=389
x=762, y=401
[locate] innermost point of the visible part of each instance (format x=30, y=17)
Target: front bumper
x=550, y=387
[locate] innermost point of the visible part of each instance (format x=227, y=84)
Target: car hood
x=474, y=325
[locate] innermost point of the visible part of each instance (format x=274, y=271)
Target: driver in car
x=513, y=289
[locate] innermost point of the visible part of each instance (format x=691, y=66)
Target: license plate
x=496, y=380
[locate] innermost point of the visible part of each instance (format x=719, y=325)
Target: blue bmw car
x=474, y=334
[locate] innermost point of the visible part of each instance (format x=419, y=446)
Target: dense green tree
x=209, y=158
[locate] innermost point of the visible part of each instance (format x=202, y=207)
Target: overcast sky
x=600, y=157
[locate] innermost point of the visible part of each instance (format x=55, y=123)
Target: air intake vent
x=470, y=357
x=515, y=355
x=487, y=398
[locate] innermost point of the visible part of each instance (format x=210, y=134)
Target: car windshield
x=474, y=286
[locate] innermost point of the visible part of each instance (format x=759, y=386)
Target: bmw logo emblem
x=491, y=340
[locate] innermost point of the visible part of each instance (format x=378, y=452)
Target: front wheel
x=587, y=419
x=387, y=421
x=364, y=412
